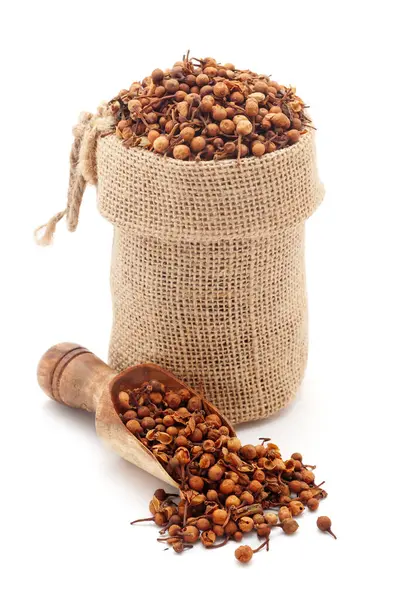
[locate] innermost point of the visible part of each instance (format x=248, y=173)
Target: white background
x=66, y=500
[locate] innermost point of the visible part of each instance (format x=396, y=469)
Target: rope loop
x=83, y=170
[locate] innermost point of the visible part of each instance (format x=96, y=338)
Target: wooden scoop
x=74, y=376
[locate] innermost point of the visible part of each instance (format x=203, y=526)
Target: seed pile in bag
x=201, y=110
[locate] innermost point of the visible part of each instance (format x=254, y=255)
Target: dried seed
x=181, y=152
x=324, y=524
x=244, y=554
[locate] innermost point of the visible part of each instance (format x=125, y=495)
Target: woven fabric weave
x=207, y=272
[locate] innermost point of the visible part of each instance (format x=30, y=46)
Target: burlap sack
x=207, y=272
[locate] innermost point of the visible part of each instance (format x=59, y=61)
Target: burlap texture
x=207, y=273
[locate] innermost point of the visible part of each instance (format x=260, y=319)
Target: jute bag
x=207, y=274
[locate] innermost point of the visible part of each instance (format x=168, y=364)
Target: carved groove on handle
x=59, y=370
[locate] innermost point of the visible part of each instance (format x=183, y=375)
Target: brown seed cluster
x=226, y=490
x=202, y=110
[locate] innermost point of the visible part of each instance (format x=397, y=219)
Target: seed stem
x=226, y=540
x=262, y=546
x=185, y=513
x=142, y=520
x=331, y=532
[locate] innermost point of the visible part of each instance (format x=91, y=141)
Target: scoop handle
x=72, y=375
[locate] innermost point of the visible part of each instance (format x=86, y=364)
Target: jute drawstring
x=82, y=170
